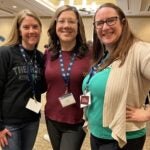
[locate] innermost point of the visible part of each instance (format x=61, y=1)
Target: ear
x=123, y=21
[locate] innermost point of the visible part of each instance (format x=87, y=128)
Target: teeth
x=107, y=34
x=66, y=31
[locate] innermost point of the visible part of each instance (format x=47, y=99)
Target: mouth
x=107, y=34
x=66, y=31
x=33, y=37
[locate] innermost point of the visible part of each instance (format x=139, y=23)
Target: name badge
x=85, y=99
x=67, y=99
x=34, y=105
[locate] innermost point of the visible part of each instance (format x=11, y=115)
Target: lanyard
x=94, y=68
x=32, y=68
x=66, y=73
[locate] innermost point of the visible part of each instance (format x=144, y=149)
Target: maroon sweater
x=56, y=87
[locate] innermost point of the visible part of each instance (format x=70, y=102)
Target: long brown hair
x=54, y=44
x=123, y=45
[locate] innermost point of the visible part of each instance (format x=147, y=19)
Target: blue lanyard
x=66, y=73
x=94, y=68
x=31, y=67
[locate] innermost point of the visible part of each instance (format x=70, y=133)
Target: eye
x=26, y=27
x=110, y=20
x=60, y=21
x=72, y=21
x=99, y=23
x=35, y=26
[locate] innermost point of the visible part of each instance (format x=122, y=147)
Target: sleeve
x=145, y=60
x=4, y=65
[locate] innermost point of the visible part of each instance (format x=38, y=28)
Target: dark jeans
x=102, y=144
x=65, y=136
x=23, y=136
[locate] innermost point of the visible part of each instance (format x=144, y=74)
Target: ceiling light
x=83, y=3
x=47, y=4
x=71, y=2
x=93, y=6
x=14, y=6
x=61, y=3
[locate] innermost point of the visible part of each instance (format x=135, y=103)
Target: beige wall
x=139, y=25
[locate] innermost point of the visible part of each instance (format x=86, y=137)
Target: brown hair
x=123, y=45
x=53, y=42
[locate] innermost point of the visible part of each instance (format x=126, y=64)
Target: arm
x=144, y=60
x=141, y=114
x=3, y=77
x=137, y=114
x=4, y=65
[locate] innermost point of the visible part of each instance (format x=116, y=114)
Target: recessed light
x=14, y=6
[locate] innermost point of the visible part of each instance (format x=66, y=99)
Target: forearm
x=138, y=114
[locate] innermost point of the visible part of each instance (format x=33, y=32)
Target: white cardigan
x=128, y=84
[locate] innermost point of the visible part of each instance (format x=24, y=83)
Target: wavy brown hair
x=122, y=46
x=54, y=44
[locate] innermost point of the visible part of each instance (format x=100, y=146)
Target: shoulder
x=140, y=50
x=39, y=53
x=87, y=55
x=142, y=55
x=5, y=51
x=141, y=46
x=47, y=53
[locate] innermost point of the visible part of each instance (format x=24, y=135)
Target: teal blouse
x=94, y=112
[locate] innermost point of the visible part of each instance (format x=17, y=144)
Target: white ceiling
x=47, y=8
x=6, y=7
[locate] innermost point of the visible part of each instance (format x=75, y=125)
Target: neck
x=110, y=48
x=67, y=46
x=28, y=47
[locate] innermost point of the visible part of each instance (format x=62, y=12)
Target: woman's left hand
x=137, y=114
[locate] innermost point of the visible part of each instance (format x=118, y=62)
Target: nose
x=105, y=26
x=31, y=29
x=66, y=23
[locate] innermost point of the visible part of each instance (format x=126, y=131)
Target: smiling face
x=110, y=32
x=67, y=27
x=30, y=31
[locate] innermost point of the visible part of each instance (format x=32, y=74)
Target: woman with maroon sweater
x=67, y=62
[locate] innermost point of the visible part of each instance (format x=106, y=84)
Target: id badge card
x=85, y=99
x=34, y=105
x=67, y=99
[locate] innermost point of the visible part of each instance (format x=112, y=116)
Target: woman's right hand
x=3, y=137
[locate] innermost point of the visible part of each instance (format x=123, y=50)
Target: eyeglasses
x=109, y=21
x=63, y=21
